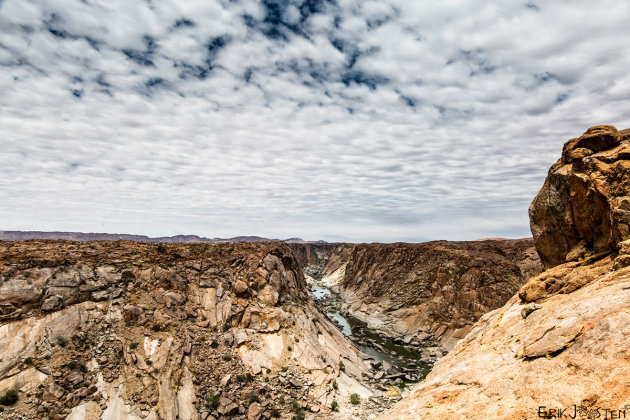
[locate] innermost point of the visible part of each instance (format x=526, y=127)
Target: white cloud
x=389, y=120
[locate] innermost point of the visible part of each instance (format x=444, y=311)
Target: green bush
x=9, y=398
x=334, y=406
x=355, y=399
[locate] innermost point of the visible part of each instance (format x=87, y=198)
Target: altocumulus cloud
x=341, y=120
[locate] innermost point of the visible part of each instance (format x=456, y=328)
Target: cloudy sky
x=340, y=120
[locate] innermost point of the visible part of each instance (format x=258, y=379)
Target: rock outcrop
x=129, y=330
x=560, y=347
x=583, y=207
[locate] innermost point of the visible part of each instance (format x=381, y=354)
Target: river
x=380, y=348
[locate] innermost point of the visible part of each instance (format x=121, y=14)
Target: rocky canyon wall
x=428, y=293
x=129, y=330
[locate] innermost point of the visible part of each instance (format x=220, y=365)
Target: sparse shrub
x=72, y=365
x=300, y=414
x=133, y=345
x=342, y=367
x=355, y=399
x=227, y=357
x=62, y=342
x=226, y=327
x=214, y=344
x=204, y=318
x=149, y=362
x=28, y=360
x=295, y=405
x=335, y=385
x=289, y=348
x=297, y=340
x=284, y=368
x=212, y=400
x=161, y=249
x=334, y=406
x=156, y=327
x=275, y=413
x=245, y=378
x=215, y=328
x=9, y=398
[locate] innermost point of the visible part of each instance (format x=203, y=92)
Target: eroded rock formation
x=563, y=341
x=583, y=207
x=128, y=330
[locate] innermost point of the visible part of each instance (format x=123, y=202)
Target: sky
x=390, y=120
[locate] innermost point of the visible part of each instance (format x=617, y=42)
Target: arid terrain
x=144, y=330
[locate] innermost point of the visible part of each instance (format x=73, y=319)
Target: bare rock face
x=129, y=330
x=563, y=342
x=584, y=205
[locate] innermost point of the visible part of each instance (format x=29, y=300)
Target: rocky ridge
x=559, y=347
x=131, y=330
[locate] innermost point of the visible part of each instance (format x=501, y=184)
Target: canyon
x=234, y=329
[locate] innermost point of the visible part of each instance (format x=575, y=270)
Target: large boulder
x=584, y=205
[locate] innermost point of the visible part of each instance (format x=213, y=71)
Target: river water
x=369, y=341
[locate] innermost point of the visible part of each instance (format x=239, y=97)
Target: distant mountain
x=14, y=235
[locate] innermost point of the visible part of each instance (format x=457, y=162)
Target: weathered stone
x=174, y=298
x=254, y=411
x=240, y=287
x=529, y=309
x=52, y=303
x=596, y=185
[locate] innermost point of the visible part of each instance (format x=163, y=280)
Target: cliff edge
x=563, y=342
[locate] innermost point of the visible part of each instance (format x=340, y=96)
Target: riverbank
x=397, y=364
